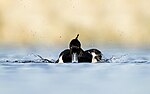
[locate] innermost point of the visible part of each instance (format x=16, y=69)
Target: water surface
x=22, y=72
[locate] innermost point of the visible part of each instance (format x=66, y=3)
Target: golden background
x=56, y=22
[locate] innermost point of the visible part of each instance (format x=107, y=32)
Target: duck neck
x=74, y=58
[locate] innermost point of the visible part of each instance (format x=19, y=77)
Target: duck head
x=75, y=45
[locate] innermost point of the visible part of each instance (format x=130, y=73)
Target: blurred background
x=56, y=22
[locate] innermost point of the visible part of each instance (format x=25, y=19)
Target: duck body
x=66, y=57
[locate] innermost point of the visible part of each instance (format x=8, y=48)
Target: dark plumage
x=96, y=55
x=67, y=56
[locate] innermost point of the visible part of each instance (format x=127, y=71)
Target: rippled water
x=122, y=71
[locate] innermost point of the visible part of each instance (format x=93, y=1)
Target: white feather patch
x=60, y=59
x=93, y=57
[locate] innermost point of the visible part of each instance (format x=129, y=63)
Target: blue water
x=23, y=72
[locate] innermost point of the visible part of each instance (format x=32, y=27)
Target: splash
x=113, y=59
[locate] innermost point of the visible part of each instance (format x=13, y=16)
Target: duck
x=96, y=55
x=75, y=54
